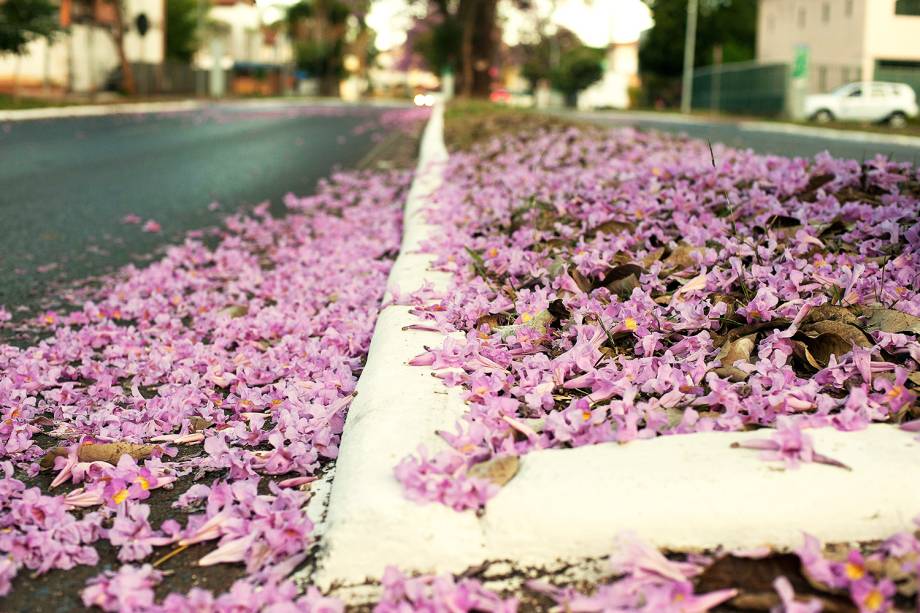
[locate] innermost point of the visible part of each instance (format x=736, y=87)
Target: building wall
x=84, y=56
x=845, y=37
x=242, y=37
x=890, y=36
x=833, y=30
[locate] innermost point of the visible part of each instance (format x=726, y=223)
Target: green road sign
x=800, y=63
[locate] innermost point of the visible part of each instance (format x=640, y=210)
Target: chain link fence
x=746, y=88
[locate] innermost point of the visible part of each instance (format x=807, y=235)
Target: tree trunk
x=484, y=31
x=477, y=46
x=16, y=76
x=118, y=35
x=467, y=20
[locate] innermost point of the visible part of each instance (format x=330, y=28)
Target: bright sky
x=597, y=22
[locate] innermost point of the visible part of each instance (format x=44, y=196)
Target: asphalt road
x=66, y=184
x=770, y=138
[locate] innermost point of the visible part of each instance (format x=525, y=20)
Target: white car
x=866, y=101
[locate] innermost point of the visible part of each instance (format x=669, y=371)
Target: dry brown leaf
x=754, y=577
x=622, y=280
x=611, y=227
x=652, y=257
x=823, y=346
x=800, y=351
x=497, y=470
x=539, y=323
x=198, y=424
x=830, y=312
x=99, y=452
x=896, y=569
x=112, y=452
x=47, y=460
x=815, y=343
x=583, y=282
x=890, y=320
x=234, y=310
x=740, y=349
x=682, y=257
x=845, y=331
x=491, y=320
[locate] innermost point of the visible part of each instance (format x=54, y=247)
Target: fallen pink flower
x=789, y=444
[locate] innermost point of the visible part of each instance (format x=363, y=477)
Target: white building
x=82, y=58
x=241, y=27
x=621, y=72
x=846, y=40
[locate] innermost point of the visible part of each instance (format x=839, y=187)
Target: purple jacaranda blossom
x=128, y=589
x=647, y=582
x=911, y=426
x=132, y=534
x=437, y=594
x=130, y=481
x=815, y=565
x=873, y=596
x=790, y=445
x=443, y=478
x=788, y=602
x=761, y=307
x=8, y=570
x=896, y=395
x=249, y=341
x=772, y=259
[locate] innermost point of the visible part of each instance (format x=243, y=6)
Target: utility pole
x=686, y=95
x=199, y=35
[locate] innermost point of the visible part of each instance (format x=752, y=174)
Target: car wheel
x=897, y=120
x=824, y=116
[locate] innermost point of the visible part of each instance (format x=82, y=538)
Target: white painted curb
x=683, y=492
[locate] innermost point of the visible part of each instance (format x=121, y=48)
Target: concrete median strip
x=688, y=492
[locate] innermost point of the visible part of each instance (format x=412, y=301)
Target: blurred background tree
x=181, y=29
x=321, y=32
x=539, y=59
x=579, y=67
x=22, y=21
x=462, y=36
x=731, y=24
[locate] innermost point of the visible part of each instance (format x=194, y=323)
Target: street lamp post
x=686, y=95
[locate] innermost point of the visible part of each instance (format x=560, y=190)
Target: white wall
x=890, y=36
x=88, y=52
x=243, y=38
x=833, y=30
x=844, y=46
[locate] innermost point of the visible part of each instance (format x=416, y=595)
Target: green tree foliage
x=22, y=21
x=539, y=59
x=729, y=23
x=578, y=68
x=318, y=29
x=181, y=29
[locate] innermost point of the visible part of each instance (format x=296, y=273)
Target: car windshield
x=847, y=90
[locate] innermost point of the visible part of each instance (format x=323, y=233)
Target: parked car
x=867, y=101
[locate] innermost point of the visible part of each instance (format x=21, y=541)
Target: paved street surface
x=66, y=184
x=765, y=137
